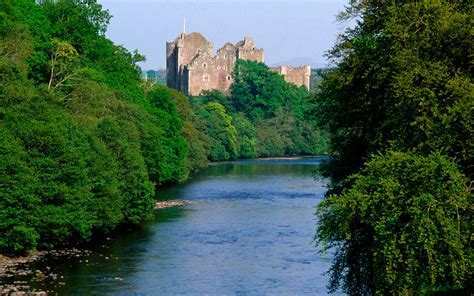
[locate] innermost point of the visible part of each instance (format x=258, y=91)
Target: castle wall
x=192, y=44
x=208, y=73
x=171, y=65
x=225, y=62
x=179, y=54
x=296, y=75
x=192, y=68
x=251, y=55
x=202, y=74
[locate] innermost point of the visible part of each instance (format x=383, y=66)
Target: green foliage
x=398, y=85
x=269, y=115
x=317, y=77
x=402, y=227
x=246, y=136
x=18, y=201
x=82, y=143
x=259, y=93
x=197, y=141
x=222, y=133
x=172, y=157
x=57, y=198
x=401, y=223
x=218, y=97
x=137, y=191
x=278, y=110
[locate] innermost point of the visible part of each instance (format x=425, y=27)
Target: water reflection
x=249, y=232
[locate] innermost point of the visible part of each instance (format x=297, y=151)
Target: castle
x=192, y=67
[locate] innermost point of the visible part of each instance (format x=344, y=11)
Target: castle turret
x=179, y=54
x=192, y=67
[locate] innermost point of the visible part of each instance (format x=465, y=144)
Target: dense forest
x=85, y=143
x=263, y=116
x=398, y=108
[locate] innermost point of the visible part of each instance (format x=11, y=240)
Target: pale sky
x=288, y=30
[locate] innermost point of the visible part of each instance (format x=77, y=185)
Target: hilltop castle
x=192, y=67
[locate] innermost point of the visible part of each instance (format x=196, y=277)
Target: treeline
x=317, y=77
x=399, y=111
x=83, y=141
x=263, y=116
x=155, y=76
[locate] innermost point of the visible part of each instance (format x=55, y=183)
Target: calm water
x=250, y=231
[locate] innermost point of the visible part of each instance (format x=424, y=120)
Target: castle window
x=228, y=77
x=205, y=77
x=199, y=50
x=204, y=65
x=225, y=56
x=218, y=67
x=225, y=66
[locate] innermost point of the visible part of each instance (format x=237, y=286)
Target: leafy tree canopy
x=84, y=144
x=400, y=222
x=401, y=228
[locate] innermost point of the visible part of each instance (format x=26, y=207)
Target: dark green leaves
x=83, y=145
x=404, y=222
x=400, y=224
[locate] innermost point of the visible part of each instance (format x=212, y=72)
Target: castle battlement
x=192, y=67
x=296, y=75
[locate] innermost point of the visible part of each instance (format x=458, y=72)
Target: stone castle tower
x=192, y=67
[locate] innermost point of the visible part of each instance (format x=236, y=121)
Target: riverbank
x=297, y=157
x=10, y=264
x=221, y=217
x=20, y=266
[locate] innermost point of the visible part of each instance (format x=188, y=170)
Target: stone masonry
x=192, y=67
x=296, y=75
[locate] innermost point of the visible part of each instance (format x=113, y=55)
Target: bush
x=402, y=227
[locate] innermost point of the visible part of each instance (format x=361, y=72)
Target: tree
x=218, y=126
x=246, y=137
x=259, y=93
x=402, y=83
x=208, y=96
x=73, y=168
x=16, y=205
x=402, y=227
x=279, y=111
x=171, y=159
x=64, y=59
x=197, y=141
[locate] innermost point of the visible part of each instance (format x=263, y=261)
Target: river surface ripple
x=248, y=231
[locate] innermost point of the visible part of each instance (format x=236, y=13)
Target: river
x=248, y=230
